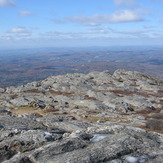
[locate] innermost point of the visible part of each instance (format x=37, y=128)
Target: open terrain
x=83, y=118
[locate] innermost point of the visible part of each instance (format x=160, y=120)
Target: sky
x=80, y=23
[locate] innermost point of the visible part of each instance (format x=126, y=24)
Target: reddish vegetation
x=33, y=91
x=147, y=111
x=143, y=94
x=129, y=93
x=60, y=93
x=160, y=91
x=155, y=124
x=148, y=129
x=157, y=116
x=118, y=91
x=133, y=85
x=155, y=102
x=50, y=110
x=13, y=96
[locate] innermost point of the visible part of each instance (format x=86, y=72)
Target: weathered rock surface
x=119, y=143
x=78, y=118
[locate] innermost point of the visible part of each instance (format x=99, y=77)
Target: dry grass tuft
x=24, y=110
x=60, y=93
x=50, y=110
x=33, y=91
x=147, y=111
x=122, y=92
x=129, y=93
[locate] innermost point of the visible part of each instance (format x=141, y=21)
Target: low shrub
x=155, y=124
x=157, y=116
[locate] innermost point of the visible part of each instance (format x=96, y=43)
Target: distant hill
x=22, y=66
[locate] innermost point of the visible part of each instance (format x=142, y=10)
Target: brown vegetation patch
x=147, y=90
x=86, y=97
x=147, y=111
x=24, y=110
x=60, y=93
x=155, y=124
x=93, y=119
x=133, y=85
x=129, y=93
x=13, y=96
x=92, y=112
x=32, y=91
x=143, y=94
x=111, y=82
x=110, y=119
x=117, y=119
x=148, y=129
x=155, y=102
x=31, y=110
x=50, y=110
x=160, y=91
x=122, y=92
x=133, y=79
x=157, y=116
x=125, y=113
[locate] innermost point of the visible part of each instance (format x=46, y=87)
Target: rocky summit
x=83, y=118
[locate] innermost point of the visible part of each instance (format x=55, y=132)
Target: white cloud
x=125, y=2
x=125, y=16
x=100, y=33
x=117, y=17
x=95, y=32
x=5, y=3
x=25, y=13
x=19, y=31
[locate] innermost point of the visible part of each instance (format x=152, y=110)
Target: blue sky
x=57, y=23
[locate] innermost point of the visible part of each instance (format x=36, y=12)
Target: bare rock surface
x=83, y=118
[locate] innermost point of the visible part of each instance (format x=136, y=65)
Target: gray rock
x=14, y=122
x=126, y=145
x=5, y=112
x=2, y=90
x=69, y=126
x=80, y=118
x=20, y=101
x=25, y=141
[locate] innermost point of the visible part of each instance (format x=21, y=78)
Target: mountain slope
x=83, y=118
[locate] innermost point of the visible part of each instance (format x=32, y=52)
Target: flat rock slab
x=14, y=122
